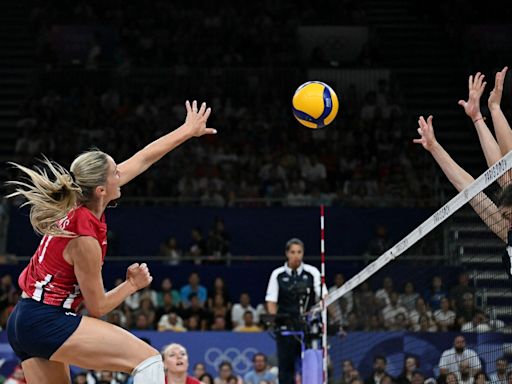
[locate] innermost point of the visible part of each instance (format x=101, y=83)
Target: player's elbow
x=96, y=310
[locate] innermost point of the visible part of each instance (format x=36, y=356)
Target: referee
x=292, y=290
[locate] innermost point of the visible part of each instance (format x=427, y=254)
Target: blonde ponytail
x=50, y=197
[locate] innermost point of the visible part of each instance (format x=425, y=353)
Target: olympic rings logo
x=240, y=360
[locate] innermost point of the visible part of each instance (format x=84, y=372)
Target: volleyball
x=315, y=104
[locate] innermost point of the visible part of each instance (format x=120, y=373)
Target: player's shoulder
x=192, y=380
x=311, y=269
x=279, y=270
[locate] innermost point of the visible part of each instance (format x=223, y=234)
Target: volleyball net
x=410, y=306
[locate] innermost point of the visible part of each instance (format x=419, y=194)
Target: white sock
x=150, y=371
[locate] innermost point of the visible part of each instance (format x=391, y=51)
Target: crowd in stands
x=259, y=153
x=457, y=365
x=438, y=309
x=194, y=307
x=261, y=156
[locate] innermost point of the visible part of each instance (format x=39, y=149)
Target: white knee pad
x=150, y=371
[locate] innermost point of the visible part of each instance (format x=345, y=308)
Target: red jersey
x=190, y=380
x=48, y=277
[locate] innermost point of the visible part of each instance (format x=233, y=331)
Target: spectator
x=452, y=358
x=364, y=303
x=426, y=324
x=409, y=297
x=167, y=307
x=467, y=310
x=218, y=241
x=379, y=370
x=435, y=294
x=171, y=322
x=170, y=251
x=421, y=309
x=219, y=323
x=225, y=373
x=260, y=372
x=418, y=378
x=444, y=317
x=411, y=364
x=480, y=378
x=219, y=287
x=248, y=324
x=219, y=308
x=457, y=293
x=195, y=309
x=464, y=375
x=198, y=247
x=382, y=295
x=80, y=378
x=390, y=311
x=206, y=378
x=166, y=287
x=349, y=373
x=339, y=280
x=500, y=375
x=193, y=287
x=380, y=243
x=238, y=310
x=479, y=323
x=199, y=370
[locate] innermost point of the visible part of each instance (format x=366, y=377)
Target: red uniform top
x=190, y=380
x=48, y=277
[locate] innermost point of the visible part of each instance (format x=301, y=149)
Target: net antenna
x=491, y=175
x=322, y=293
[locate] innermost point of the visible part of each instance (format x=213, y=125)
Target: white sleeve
x=475, y=361
x=273, y=288
x=443, y=361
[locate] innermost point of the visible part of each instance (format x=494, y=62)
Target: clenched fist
x=138, y=275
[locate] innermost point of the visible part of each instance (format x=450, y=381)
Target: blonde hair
x=52, y=196
x=172, y=345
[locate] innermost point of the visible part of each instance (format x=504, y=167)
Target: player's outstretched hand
x=495, y=96
x=196, y=119
x=426, y=131
x=476, y=86
x=138, y=275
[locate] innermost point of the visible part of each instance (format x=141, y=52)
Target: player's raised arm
x=194, y=126
x=476, y=86
x=460, y=179
x=501, y=126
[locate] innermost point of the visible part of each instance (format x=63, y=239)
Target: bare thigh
x=41, y=371
x=99, y=345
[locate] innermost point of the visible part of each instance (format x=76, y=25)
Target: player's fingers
x=133, y=266
x=210, y=131
x=461, y=103
x=188, y=107
x=194, y=106
x=202, y=109
x=207, y=113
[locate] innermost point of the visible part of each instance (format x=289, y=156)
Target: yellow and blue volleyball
x=315, y=104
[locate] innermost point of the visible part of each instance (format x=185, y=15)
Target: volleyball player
x=498, y=217
x=68, y=208
x=176, y=365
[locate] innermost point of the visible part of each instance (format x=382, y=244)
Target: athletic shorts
x=35, y=329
